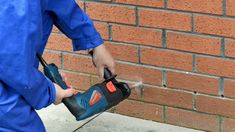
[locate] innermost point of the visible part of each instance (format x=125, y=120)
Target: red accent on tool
x=111, y=87
x=95, y=97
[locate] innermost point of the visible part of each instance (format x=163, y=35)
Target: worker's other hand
x=61, y=93
x=102, y=59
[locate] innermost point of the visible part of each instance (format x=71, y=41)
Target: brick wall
x=182, y=50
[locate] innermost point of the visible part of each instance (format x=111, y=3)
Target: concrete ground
x=58, y=119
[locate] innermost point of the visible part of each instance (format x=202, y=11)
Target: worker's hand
x=61, y=93
x=102, y=58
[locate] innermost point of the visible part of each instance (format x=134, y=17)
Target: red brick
x=215, y=105
x=193, y=43
x=229, y=88
x=215, y=25
x=230, y=47
x=168, y=97
x=228, y=125
x=166, y=58
x=104, y=0
x=139, y=73
x=55, y=29
x=215, y=66
x=192, y=82
x=102, y=28
x=192, y=119
x=59, y=42
x=52, y=57
x=149, y=3
x=78, y=81
x=203, y=6
x=80, y=3
x=230, y=7
x=165, y=19
x=78, y=63
x=140, y=110
x=123, y=52
x=137, y=35
x=111, y=13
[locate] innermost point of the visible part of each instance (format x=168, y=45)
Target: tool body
x=96, y=99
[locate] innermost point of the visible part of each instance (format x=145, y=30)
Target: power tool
x=96, y=99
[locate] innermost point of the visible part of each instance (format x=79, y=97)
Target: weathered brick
x=78, y=63
x=215, y=105
x=140, y=110
x=165, y=19
x=168, y=97
x=166, y=58
x=123, y=52
x=139, y=73
x=229, y=88
x=230, y=48
x=52, y=57
x=192, y=119
x=230, y=7
x=228, y=125
x=102, y=28
x=136, y=35
x=192, y=82
x=203, y=6
x=111, y=13
x=55, y=29
x=214, y=25
x=215, y=66
x=149, y=3
x=59, y=42
x=78, y=81
x=193, y=43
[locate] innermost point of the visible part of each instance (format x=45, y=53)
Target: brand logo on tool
x=95, y=97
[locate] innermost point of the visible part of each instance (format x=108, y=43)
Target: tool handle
x=52, y=72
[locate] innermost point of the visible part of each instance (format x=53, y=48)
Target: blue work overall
x=24, y=29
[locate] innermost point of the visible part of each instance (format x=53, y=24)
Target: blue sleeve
x=20, y=37
x=75, y=24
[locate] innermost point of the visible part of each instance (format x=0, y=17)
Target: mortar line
x=220, y=124
x=164, y=37
x=222, y=48
x=84, y=5
x=164, y=78
x=194, y=65
x=137, y=16
x=192, y=22
x=194, y=101
x=110, y=28
x=164, y=113
x=224, y=7
x=165, y=4
x=221, y=87
x=62, y=60
x=139, y=55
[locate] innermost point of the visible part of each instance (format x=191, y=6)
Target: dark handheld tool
x=96, y=99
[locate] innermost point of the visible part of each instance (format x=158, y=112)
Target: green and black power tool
x=96, y=99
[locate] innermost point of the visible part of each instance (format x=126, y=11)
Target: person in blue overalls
x=24, y=29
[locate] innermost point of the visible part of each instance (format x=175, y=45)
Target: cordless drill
x=96, y=99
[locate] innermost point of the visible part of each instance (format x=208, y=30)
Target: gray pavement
x=58, y=119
